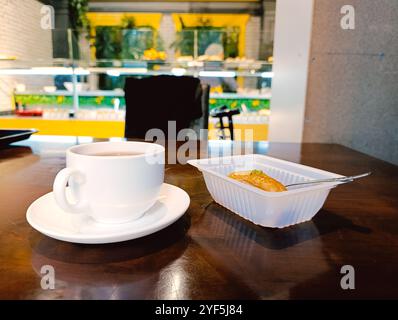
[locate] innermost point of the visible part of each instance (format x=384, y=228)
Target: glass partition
x=83, y=74
x=211, y=44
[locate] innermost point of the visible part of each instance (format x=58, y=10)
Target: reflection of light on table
x=173, y=280
x=258, y=250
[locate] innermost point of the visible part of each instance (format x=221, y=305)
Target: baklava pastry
x=258, y=179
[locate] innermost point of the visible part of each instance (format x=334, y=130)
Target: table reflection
x=129, y=269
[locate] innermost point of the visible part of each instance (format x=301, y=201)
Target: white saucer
x=47, y=217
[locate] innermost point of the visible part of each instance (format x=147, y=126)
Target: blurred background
x=289, y=68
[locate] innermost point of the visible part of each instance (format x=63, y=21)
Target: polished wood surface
x=210, y=253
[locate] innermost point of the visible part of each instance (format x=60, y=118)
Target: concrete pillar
x=60, y=35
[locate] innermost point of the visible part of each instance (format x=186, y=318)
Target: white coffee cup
x=113, y=182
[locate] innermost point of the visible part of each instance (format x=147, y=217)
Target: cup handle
x=59, y=190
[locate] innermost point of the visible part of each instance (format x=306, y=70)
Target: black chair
x=152, y=102
x=220, y=114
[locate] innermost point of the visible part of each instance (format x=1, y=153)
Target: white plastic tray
x=268, y=209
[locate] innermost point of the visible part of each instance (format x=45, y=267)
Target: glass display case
x=87, y=88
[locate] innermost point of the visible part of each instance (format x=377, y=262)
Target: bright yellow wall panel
x=107, y=129
x=116, y=18
x=244, y=132
x=97, y=129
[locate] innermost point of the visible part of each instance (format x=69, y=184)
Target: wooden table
x=210, y=253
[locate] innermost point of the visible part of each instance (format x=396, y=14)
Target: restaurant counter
x=110, y=128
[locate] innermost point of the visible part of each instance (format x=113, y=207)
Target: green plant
x=79, y=23
x=108, y=42
x=184, y=42
x=128, y=22
x=126, y=41
x=108, y=47
x=78, y=16
x=231, y=42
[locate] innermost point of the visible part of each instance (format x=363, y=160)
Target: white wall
x=353, y=80
x=22, y=36
x=293, y=21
